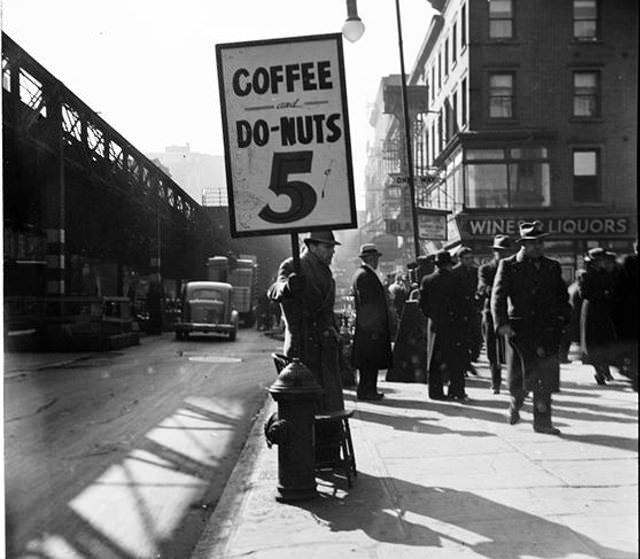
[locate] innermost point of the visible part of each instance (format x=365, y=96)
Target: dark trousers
x=368, y=379
x=447, y=363
x=495, y=348
x=527, y=373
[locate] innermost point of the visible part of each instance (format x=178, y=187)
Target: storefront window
x=515, y=178
x=487, y=186
x=529, y=184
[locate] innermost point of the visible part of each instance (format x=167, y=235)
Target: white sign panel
x=286, y=132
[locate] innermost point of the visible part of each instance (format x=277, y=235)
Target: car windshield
x=207, y=293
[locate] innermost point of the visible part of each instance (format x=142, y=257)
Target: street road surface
x=126, y=453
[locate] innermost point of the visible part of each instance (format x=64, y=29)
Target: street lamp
x=353, y=29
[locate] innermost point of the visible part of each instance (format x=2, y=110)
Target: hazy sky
x=148, y=66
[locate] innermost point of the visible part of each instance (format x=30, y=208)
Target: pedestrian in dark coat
x=493, y=342
x=311, y=329
x=372, y=338
x=626, y=314
x=467, y=274
x=597, y=332
x=530, y=306
x=398, y=294
x=443, y=305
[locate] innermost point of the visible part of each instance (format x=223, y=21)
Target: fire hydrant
x=296, y=392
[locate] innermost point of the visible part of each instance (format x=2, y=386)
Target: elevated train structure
x=87, y=217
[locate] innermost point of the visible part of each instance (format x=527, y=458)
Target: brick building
x=531, y=113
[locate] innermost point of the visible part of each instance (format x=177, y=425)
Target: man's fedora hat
x=531, y=231
x=367, y=249
x=325, y=237
x=594, y=253
x=501, y=242
x=443, y=258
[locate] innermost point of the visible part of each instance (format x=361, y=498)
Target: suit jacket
x=372, y=338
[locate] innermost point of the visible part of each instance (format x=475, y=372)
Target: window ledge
x=586, y=119
x=581, y=42
x=503, y=42
x=499, y=120
x=588, y=204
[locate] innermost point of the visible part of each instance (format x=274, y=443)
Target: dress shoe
x=472, y=370
x=371, y=397
x=600, y=379
x=439, y=397
x=546, y=429
x=608, y=375
x=460, y=398
x=495, y=389
x=513, y=416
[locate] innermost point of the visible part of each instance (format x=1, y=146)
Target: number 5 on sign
x=286, y=135
x=303, y=196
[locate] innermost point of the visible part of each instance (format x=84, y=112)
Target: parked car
x=207, y=307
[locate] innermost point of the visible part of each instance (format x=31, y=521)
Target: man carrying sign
x=307, y=300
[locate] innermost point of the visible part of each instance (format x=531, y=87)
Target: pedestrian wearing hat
x=530, y=306
x=443, y=305
x=626, y=315
x=311, y=330
x=493, y=342
x=597, y=331
x=373, y=328
x=467, y=273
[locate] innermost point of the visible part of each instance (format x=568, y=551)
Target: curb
x=221, y=525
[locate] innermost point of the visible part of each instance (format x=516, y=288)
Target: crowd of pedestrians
x=517, y=305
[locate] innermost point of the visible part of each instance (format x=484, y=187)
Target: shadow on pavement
x=395, y=511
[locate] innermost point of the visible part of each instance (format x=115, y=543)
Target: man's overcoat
x=535, y=302
x=311, y=324
x=443, y=305
x=486, y=277
x=372, y=339
x=597, y=332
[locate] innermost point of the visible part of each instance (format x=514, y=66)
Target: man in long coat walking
x=372, y=339
x=530, y=306
x=494, y=344
x=597, y=331
x=442, y=302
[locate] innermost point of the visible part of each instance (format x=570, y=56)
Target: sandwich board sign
x=286, y=135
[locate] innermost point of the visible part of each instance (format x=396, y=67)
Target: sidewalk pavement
x=441, y=479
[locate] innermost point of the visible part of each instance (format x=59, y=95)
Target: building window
x=440, y=131
x=434, y=152
x=454, y=111
x=463, y=26
x=501, y=19
x=586, y=175
x=433, y=82
x=463, y=103
x=446, y=58
x=501, y=98
x=585, y=20
x=454, y=44
x=586, y=94
x=507, y=178
x=439, y=69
